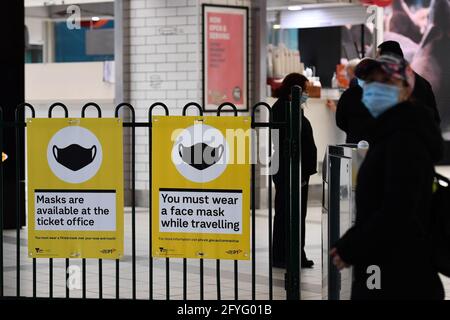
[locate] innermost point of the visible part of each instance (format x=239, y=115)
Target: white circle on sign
x=74, y=154
x=200, y=153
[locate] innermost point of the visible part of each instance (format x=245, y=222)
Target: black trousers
x=280, y=233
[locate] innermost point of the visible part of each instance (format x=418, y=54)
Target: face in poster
x=422, y=27
x=225, y=56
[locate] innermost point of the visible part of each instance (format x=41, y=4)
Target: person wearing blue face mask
x=422, y=88
x=351, y=115
x=379, y=97
x=394, y=192
x=309, y=167
x=304, y=98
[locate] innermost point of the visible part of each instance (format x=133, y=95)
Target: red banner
x=225, y=57
x=380, y=3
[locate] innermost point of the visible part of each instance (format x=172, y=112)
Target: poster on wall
x=225, y=56
x=422, y=29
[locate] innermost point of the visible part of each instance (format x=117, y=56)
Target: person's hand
x=337, y=260
x=331, y=105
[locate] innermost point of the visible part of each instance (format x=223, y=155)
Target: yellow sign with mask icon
x=75, y=188
x=201, y=187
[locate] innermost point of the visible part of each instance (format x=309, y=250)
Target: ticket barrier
x=340, y=169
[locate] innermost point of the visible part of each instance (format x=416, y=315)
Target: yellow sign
x=201, y=187
x=75, y=188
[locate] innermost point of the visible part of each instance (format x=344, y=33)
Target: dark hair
x=292, y=79
x=389, y=47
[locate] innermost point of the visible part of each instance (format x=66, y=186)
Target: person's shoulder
x=421, y=80
x=280, y=102
x=349, y=100
x=306, y=120
x=279, y=109
x=352, y=93
x=276, y=105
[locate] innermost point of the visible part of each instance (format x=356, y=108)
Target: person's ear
x=410, y=77
x=377, y=55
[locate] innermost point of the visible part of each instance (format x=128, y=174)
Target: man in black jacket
x=351, y=115
x=422, y=88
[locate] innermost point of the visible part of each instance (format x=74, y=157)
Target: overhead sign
x=75, y=188
x=201, y=187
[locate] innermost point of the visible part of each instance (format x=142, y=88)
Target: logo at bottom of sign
x=108, y=251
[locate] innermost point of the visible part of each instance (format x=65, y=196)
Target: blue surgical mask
x=360, y=82
x=303, y=98
x=379, y=97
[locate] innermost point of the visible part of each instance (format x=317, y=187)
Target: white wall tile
x=177, y=57
x=176, y=3
x=145, y=13
x=166, y=12
x=155, y=3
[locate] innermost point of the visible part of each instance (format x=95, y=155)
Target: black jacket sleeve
x=342, y=112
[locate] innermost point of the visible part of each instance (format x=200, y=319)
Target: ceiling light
x=295, y=8
x=95, y=19
x=276, y=26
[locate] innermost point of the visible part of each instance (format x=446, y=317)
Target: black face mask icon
x=200, y=155
x=74, y=157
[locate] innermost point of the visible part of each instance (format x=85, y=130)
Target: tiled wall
x=162, y=62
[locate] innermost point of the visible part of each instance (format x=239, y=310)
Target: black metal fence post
x=133, y=193
x=50, y=262
x=150, y=113
x=200, y=113
x=236, y=265
x=269, y=126
x=19, y=195
x=293, y=267
x=1, y=203
x=100, y=275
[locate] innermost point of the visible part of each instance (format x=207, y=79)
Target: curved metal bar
x=193, y=104
x=23, y=105
x=156, y=104
x=263, y=104
x=227, y=104
x=58, y=104
x=96, y=106
x=125, y=104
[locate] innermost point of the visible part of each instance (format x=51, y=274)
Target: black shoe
x=307, y=263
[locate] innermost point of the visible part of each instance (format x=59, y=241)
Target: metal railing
x=292, y=283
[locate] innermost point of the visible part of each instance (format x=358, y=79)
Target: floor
x=310, y=278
